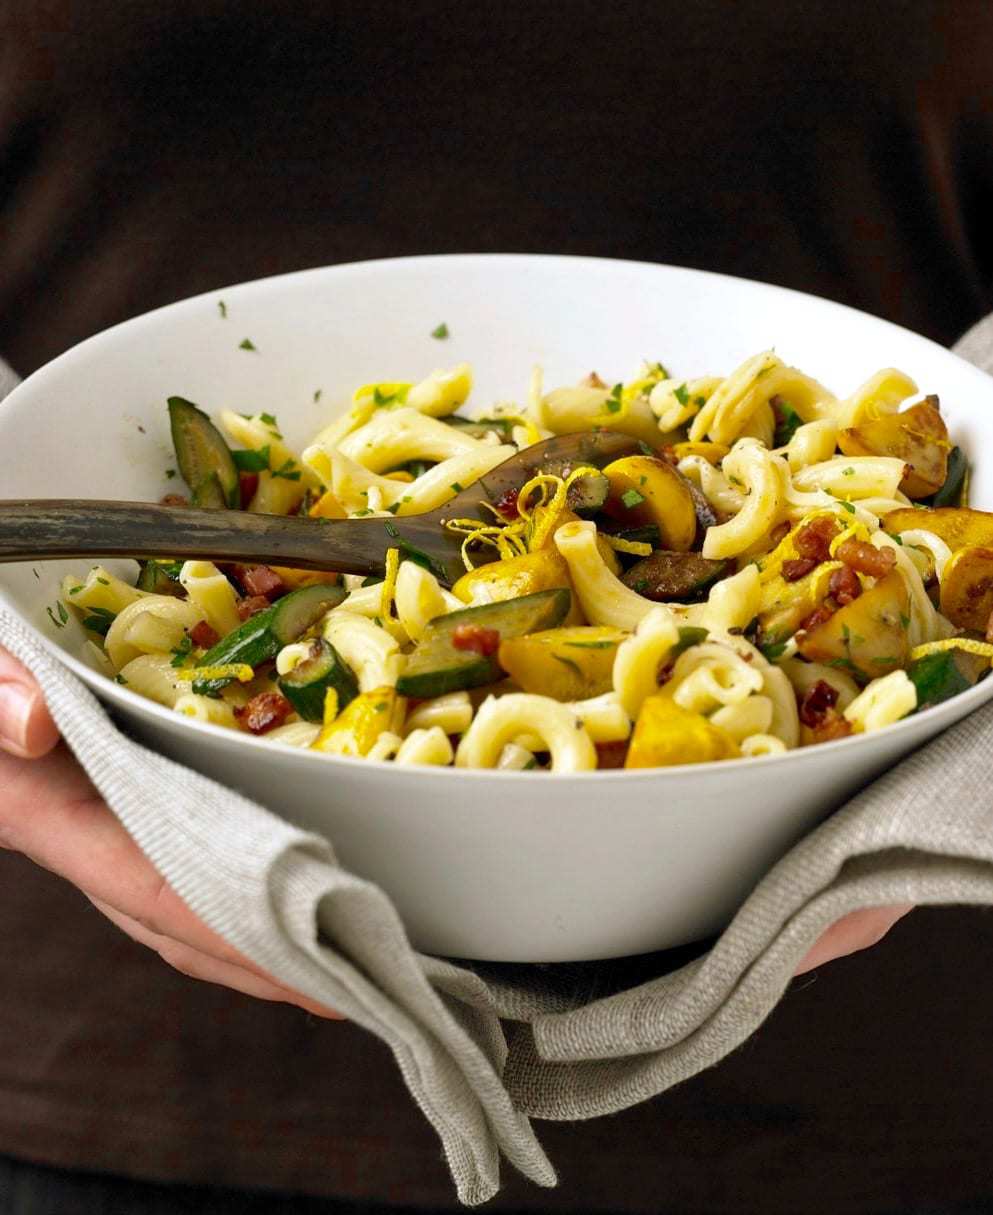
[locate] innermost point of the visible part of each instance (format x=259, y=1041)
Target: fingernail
x=16, y=703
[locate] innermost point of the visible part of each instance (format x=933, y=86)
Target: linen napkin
x=483, y=1047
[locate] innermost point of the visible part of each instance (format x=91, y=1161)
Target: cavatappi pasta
x=772, y=567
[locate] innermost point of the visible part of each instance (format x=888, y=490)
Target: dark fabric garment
x=149, y=151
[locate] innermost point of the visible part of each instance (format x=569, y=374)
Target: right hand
x=51, y=813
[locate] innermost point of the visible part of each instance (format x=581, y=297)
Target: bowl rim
x=104, y=686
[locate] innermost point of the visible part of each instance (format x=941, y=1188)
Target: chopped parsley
x=645, y=449
x=380, y=398
x=251, y=461
x=613, y=402
x=897, y=538
x=848, y=472
x=74, y=590
x=99, y=620
x=222, y=308
x=318, y=393
x=904, y=621
x=787, y=422
x=359, y=514
x=845, y=505
x=411, y=552
x=688, y=635
x=591, y=645
x=63, y=615
x=631, y=498
x=268, y=418
x=288, y=471
x=457, y=487
x=247, y=344
x=182, y=652
x=120, y=679
x=440, y=332
x=104, y=581
x=681, y=394
x=642, y=480
x=658, y=370
x=170, y=473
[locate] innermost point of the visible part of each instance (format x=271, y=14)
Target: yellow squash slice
x=958, y=526
x=361, y=722
x=645, y=490
x=666, y=734
x=566, y=664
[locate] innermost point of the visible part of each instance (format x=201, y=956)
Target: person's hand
x=859, y=930
x=50, y=812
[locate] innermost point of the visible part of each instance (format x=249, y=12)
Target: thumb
x=26, y=728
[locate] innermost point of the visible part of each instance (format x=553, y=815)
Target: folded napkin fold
x=485, y=1047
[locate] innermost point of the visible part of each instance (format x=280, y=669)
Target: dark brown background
x=150, y=151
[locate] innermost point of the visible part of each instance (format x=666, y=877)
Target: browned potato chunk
x=868, y=635
x=917, y=436
x=958, y=526
x=967, y=588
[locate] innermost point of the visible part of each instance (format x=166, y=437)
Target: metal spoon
x=47, y=529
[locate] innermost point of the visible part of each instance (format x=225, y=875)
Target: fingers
x=858, y=930
x=197, y=965
x=52, y=813
x=26, y=728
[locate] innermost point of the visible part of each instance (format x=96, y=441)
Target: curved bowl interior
x=496, y=866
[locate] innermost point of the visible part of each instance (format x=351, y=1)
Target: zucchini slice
x=262, y=636
x=438, y=666
x=950, y=493
x=667, y=576
x=306, y=685
x=160, y=578
x=204, y=459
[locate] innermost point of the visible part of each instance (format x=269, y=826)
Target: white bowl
x=506, y=866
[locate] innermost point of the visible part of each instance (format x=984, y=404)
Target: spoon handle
x=50, y=528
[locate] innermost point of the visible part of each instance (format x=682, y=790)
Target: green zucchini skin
x=950, y=493
x=157, y=578
x=306, y=685
x=436, y=666
x=262, y=636
x=666, y=576
x=204, y=458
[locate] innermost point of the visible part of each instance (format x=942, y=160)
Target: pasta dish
x=772, y=567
